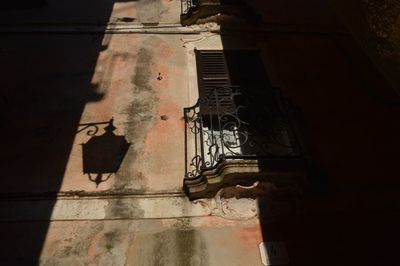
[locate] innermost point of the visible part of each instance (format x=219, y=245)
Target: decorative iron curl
x=213, y=154
x=93, y=127
x=196, y=164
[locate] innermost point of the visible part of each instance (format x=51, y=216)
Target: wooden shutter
x=212, y=71
x=213, y=81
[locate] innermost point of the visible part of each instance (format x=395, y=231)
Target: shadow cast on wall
x=46, y=83
x=102, y=155
x=23, y=4
x=350, y=197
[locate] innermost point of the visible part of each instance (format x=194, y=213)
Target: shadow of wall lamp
x=102, y=155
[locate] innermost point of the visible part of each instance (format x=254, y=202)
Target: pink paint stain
x=250, y=236
x=164, y=132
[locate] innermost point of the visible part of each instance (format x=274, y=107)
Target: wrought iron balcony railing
x=187, y=5
x=230, y=124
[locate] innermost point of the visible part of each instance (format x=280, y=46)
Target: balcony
x=235, y=137
x=193, y=10
x=188, y=5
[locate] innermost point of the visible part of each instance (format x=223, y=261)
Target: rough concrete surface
x=184, y=241
x=139, y=216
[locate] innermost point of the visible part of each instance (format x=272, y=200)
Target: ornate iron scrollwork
x=187, y=5
x=229, y=124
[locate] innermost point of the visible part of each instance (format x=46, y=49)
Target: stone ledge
x=245, y=172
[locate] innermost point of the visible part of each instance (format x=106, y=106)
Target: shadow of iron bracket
x=93, y=127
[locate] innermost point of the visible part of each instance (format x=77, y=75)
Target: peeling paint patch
x=143, y=70
x=122, y=208
x=141, y=115
x=180, y=246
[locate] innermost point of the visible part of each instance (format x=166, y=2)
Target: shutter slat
x=213, y=74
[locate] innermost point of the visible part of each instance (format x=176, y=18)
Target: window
x=238, y=116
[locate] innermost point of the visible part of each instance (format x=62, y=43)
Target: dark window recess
x=217, y=68
x=238, y=114
x=233, y=68
x=237, y=78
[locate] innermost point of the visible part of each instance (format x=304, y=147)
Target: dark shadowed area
x=348, y=210
x=46, y=82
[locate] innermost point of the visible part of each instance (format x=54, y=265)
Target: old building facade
x=169, y=132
